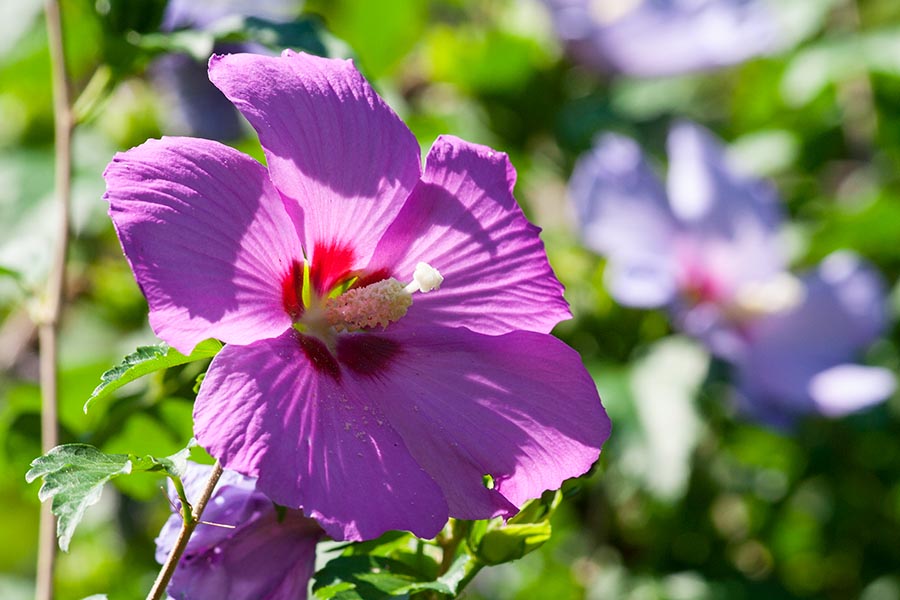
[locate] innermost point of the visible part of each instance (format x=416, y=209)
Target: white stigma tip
x=425, y=279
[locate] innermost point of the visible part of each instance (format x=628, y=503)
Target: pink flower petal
x=284, y=411
x=207, y=237
x=343, y=159
x=519, y=407
x=464, y=221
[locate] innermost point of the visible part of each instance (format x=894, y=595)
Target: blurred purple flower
x=194, y=105
x=370, y=410
x=245, y=549
x=192, y=14
x=800, y=360
x=649, y=38
x=708, y=248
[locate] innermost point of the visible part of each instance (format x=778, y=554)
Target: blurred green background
x=689, y=500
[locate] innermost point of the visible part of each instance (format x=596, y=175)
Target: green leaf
x=195, y=42
x=301, y=34
x=74, y=476
x=494, y=542
x=539, y=509
x=147, y=359
x=385, y=568
x=512, y=542
x=363, y=578
x=457, y=576
x=11, y=273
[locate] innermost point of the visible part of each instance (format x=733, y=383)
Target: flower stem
x=459, y=529
x=192, y=519
x=49, y=315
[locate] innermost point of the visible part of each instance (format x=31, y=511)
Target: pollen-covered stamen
x=381, y=303
x=377, y=304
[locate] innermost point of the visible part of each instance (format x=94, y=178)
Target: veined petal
x=519, y=407
x=207, y=237
x=341, y=157
x=284, y=411
x=463, y=220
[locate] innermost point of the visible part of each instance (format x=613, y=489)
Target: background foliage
x=689, y=500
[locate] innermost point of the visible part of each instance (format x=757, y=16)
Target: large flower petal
x=333, y=147
x=519, y=407
x=207, y=237
x=283, y=410
x=463, y=220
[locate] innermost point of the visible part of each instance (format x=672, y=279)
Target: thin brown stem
x=459, y=529
x=49, y=317
x=187, y=528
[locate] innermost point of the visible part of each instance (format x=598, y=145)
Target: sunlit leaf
x=363, y=577
x=147, y=359
x=301, y=34
x=74, y=476
x=494, y=542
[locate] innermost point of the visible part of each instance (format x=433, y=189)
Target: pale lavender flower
x=707, y=245
x=368, y=402
x=245, y=548
x=648, y=38
x=708, y=248
x=801, y=360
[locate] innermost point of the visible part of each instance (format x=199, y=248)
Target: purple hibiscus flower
x=707, y=247
x=244, y=549
x=348, y=392
x=649, y=38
